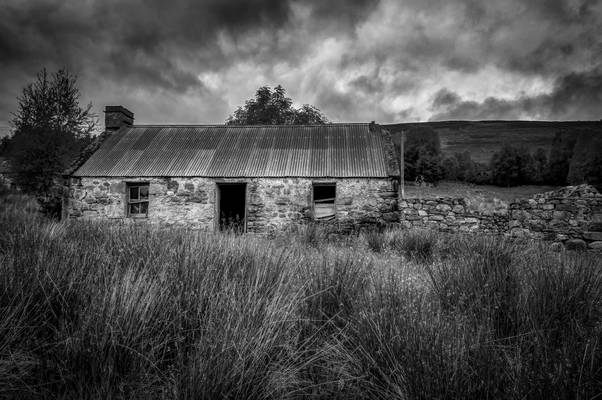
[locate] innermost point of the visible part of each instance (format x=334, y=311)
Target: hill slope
x=483, y=138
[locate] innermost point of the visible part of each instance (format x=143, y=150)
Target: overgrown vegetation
x=95, y=310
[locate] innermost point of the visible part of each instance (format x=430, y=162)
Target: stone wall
x=272, y=203
x=571, y=216
x=189, y=201
x=450, y=214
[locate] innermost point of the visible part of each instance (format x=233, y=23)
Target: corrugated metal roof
x=331, y=150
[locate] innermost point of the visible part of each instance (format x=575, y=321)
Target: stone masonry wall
x=449, y=214
x=272, y=203
x=571, y=216
x=188, y=201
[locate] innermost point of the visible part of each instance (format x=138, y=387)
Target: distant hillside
x=483, y=138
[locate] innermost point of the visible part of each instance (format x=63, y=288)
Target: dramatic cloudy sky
x=195, y=61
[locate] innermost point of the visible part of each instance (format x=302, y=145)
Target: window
x=324, y=197
x=137, y=200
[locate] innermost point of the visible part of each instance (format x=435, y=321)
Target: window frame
x=138, y=200
x=334, y=201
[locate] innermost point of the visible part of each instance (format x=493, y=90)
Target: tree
x=511, y=166
x=540, y=166
x=584, y=166
x=50, y=130
x=560, y=158
x=272, y=107
x=422, y=155
x=450, y=167
x=5, y=145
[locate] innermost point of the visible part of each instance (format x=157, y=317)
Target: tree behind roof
x=272, y=107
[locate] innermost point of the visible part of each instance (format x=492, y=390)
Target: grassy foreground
x=93, y=310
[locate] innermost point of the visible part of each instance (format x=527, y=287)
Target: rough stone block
x=595, y=245
x=443, y=207
x=576, y=245
x=514, y=224
x=596, y=236
x=458, y=209
x=595, y=226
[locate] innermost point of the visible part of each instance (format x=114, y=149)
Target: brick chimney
x=117, y=116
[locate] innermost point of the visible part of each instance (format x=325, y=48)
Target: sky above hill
x=195, y=61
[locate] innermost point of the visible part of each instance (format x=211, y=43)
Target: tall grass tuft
x=418, y=245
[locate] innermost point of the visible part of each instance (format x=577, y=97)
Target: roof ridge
x=242, y=126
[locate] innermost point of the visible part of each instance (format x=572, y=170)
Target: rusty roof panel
x=331, y=150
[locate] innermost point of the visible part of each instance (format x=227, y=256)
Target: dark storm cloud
x=195, y=61
x=575, y=96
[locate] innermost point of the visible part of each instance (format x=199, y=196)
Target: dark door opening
x=232, y=206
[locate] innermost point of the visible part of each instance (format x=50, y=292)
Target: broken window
x=324, y=201
x=137, y=200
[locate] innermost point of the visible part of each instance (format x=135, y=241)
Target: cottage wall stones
x=272, y=203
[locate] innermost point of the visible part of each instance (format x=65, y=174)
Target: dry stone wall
x=450, y=214
x=273, y=204
x=570, y=217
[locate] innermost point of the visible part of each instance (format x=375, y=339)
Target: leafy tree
x=479, y=174
x=451, y=168
x=511, y=166
x=50, y=130
x=585, y=165
x=422, y=155
x=540, y=166
x=560, y=158
x=467, y=168
x=5, y=145
x=272, y=107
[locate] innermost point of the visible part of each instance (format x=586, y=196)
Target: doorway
x=232, y=204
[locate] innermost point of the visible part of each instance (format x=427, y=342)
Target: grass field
x=93, y=310
x=483, y=138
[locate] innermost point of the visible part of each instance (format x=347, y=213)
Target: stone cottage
x=252, y=178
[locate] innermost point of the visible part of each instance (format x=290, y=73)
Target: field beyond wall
x=99, y=310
